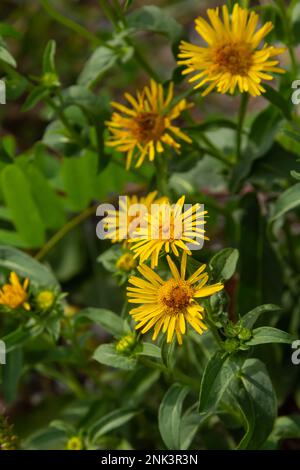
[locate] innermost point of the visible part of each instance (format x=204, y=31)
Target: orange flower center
x=175, y=296
x=148, y=126
x=235, y=58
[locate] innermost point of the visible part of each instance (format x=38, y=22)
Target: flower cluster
x=145, y=128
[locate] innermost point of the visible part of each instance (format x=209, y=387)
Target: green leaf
x=102, y=59
x=26, y=266
x=295, y=174
x=48, y=57
x=257, y=401
x=277, y=100
x=6, y=56
x=155, y=19
x=49, y=204
x=80, y=96
x=220, y=371
x=267, y=334
x=22, y=335
x=223, y=264
x=189, y=426
x=108, y=320
x=106, y=354
x=250, y=318
x=287, y=201
x=149, y=349
x=19, y=200
x=9, y=237
x=285, y=427
x=169, y=416
x=11, y=374
x=79, y=178
x=109, y=422
x=35, y=96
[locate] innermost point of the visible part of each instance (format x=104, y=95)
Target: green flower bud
x=75, y=443
x=231, y=345
x=45, y=300
x=50, y=80
x=245, y=334
x=8, y=440
x=126, y=344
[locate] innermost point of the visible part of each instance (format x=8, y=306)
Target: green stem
x=78, y=219
x=241, y=120
x=209, y=320
x=70, y=24
x=214, y=151
x=161, y=165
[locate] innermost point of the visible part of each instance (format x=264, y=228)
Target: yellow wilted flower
x=14, y=294
x=146, y=127
x=169, y=305
x=231, y=58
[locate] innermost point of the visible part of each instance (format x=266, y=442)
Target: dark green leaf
x=108, y=320
x=169, y=417
x=251, y=317
x=153, y=18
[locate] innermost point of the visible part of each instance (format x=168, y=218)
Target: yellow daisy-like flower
x=14, y=294
x=168, y=227
x=118, y=222
x=170, y=305
x=232, y=58
x=146, y=127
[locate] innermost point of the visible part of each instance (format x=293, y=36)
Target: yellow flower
x=168, y=227
x=14, y=294
x=75, y=443
x=169, y=305
x=118, y=223
x=45, y=299
x=146, y=127
x=126, y=262
x=232, y=58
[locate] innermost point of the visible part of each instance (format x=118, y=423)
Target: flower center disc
x=235, y=58
x=175, y=295
x=148, y=126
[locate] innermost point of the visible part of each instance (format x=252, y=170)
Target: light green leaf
x=155, y=19
x=6, y=56
x=288, y=200
x=106, y=354
x=169, y=416
x=26, y=266
x=223, y=264
x=109, y=321
x=268, y=334
x=35, y=96
x=11, y=374
x=109, y=422
x=102, y=59
x=48, y=57
x=149, y=349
